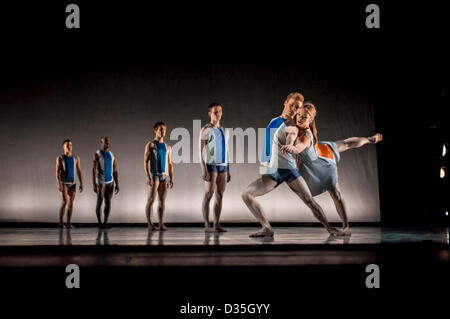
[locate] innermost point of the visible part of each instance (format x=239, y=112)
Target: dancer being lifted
x=105, y=175
x=66, y=165
x=281, y=167
x=159, y=170
x=317, y=160
x=213, y=154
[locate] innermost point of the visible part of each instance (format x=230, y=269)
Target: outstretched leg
x=221, y=183
x=356, y=142
x=261, y=186
x=340, y=207
x=149, y=207
x=209, y=192
x=162, y=193
x=300, y=187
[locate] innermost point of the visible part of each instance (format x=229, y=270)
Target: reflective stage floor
x=191, y=246
x=134, y=271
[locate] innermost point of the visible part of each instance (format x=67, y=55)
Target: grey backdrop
x=124, y=104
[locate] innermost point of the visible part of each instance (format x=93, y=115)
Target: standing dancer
x=66, y=165
x=105, y=176
x=159, y=169
x=213, y=154
x=281, y=167
x=318, y=160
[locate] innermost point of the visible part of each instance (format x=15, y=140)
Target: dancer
x=213, y=151
x=105, y=177
x=66, y=165
x=317, y=161
x=281, y=167
x=159, y=170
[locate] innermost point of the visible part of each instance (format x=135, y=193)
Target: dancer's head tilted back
x=215, y=112
x=294, y=101
x=306, y=118
x=160, y=129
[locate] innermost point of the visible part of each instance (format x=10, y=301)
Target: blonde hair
x=296, y=96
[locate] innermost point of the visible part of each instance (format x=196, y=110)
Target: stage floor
x=191, y=246
x=195, y=236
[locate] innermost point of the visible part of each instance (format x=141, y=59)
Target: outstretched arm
x=356, y=142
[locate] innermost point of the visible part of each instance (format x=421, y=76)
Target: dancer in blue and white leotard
x=106, y=179
x=159, y=169
x=213, y=155
x=66, y=166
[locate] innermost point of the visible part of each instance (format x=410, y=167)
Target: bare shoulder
x=96, y=156
x=149, y=145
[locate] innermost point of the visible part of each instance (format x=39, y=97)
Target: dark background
x=403, y=66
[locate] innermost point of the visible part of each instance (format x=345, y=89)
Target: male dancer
x=215, y=169
x=105, y=176
x=281, y=167
x=159, y=169
x=66, y=164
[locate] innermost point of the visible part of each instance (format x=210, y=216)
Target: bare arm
x=58, y=176
x=94, y=172
x=147, y=150
x=80, y=176
x=303, y=143
x=116, y=174
x=356, y=142
x=202, y=144
x=169, y=159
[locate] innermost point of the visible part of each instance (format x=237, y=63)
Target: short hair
x=66, y=141
x=296, y=96
x=103, y=138
x=213, y=104
x=158, y=124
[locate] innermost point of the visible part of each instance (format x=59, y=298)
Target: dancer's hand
x=117, y=189
x=287, y=149
x=171, y=183
x=150, y=182
x=95, y=188
x=206, y=176
x=60, y=187
x=228, y=177
x=81, y=188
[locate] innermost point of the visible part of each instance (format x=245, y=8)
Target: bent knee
x=246, y=196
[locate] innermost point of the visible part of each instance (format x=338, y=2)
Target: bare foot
x=210, y=230
x=162, y=227
x=346, y=231
x=220, y=229
x=70, y=226
x=152, y=227
x=62, y=226
x=264, y=232
x=335, y=232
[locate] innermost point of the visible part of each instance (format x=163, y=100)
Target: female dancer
x=317, y=160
